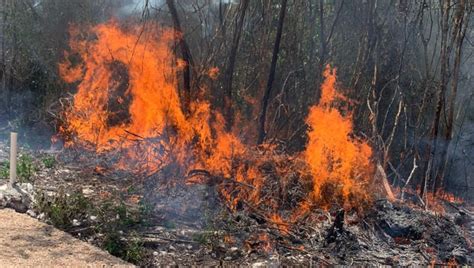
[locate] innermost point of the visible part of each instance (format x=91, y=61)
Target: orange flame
x=340, y=164
x=127, y=100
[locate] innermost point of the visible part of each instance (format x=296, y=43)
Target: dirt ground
x=26, y=242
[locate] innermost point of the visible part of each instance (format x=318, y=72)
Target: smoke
x=461, y=170
x=137, y=6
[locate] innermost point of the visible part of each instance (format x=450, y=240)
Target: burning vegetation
x=189, y=140
x=127, y=102
x=128, y=109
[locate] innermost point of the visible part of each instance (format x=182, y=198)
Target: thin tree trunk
x=229, y=73
x=4, y=60
x=186, y=54
x=322, y=48
x=459, y=31
x=271, y=77
x=428, y=180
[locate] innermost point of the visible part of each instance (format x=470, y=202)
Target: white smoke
x=137, y=6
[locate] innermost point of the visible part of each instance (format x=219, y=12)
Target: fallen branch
x=214, y=179
x=409, y=178
x=382, y=177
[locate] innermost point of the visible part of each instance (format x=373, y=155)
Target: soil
x=26, y=242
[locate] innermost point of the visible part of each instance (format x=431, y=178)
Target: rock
x=155, y=253
x=19, y=197
x=27, y=188
x=87, y=191
x=76, y=223
x=260, y=264
x=41, y=217
x=93, y=218
x=31, y=213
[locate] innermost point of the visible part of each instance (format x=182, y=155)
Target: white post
x=13, y=154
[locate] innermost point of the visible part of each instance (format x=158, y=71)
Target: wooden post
x=13, y=154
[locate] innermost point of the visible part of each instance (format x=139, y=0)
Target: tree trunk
x=431, y=165
x=3, y=73
x=186, y=54
x=271, y=76
x=322, y=45
x=461, y=21
x=229, y=73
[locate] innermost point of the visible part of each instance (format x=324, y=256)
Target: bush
x=63, y=208
x=113, y=221
x=4, y=170
x=49, y=161
x=25, y=168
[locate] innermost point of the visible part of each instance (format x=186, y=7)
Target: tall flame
x=340, y=164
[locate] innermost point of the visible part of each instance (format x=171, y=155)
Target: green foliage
x=113, y=221
x=169, y=224
x=131, y=250
x=49, y=161
x=25, y=169
x=131, y=190
x=62, y=209
x=4, y=170
x=202, y=238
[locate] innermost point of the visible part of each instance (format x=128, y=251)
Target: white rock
x=76, y=222
x=87, y=191
x=155, y=253
x=31, y=213
x=42, y=217
x=260, y=264
x=27, y=187
x=93, y=218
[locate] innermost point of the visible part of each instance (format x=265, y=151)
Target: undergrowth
x=113, y=228
x=25, y=169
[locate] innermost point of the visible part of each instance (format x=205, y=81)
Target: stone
x=42, y=217
x=31, y=213
x=19, y=197
x=87, y=191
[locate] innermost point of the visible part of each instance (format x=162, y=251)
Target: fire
x=127, y=93
x=340, y=164
x=282, y=226
x=128, y=102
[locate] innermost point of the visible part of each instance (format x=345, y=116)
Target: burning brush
x=127, y=101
